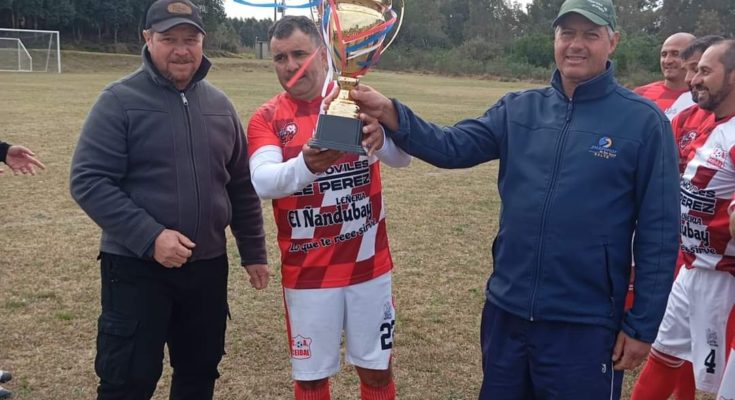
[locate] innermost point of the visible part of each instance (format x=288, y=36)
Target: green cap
x=600, y=12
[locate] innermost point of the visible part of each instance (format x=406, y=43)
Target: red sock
x=685, y=389
x=387, y=392
x=657, y=380
x=319, y=393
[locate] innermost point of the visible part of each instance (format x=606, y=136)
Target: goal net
x=26, y=50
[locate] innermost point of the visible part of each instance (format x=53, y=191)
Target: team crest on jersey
x=718, y=157
x=604, y=148
x=387, y=311
x=712, y=340
x=687, y=138
x=300, y=347
x=287, y=132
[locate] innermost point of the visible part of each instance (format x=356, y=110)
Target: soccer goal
x=28, y=50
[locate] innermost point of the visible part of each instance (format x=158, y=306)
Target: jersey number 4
x=709, y=362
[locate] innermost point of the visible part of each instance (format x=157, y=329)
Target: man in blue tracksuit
x=583, y=164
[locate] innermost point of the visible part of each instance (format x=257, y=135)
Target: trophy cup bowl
x=354, y=31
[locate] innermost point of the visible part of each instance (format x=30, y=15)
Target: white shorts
x=694, y=326
x=315, y=320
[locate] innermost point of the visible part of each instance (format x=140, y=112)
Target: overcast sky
x=236, y=10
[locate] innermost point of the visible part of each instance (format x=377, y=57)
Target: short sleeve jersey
x=707, y=187
x=332, y=233
x=660, y=94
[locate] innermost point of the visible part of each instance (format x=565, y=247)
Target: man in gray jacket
x=161, y=167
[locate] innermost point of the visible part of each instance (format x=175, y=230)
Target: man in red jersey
x=694, y=326
x=328, y=206
x=693, y=120
x=664, y=93
x=690, y=58
x=671, y=95
x=667, y=94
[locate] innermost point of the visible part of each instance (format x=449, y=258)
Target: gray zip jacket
x=152, y=157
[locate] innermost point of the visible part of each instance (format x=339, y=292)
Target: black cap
x=165, y=14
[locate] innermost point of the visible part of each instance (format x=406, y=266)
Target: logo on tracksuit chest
x=604, y=148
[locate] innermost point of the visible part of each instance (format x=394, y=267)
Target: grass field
x=441, y=224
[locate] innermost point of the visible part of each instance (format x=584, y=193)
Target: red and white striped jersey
x=688, y=126
x=331, y=233
x=663, y=96
x=707, y=188
x=682, y=103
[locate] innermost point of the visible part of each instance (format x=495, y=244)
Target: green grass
x=440, y=222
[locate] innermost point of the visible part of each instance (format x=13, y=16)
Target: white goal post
x=29, y=50
x=14, y=56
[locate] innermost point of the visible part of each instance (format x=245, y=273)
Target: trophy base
x=338, y=133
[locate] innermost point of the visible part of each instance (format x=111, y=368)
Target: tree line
x=496, y=37
x=500, y=37
x=116, y=25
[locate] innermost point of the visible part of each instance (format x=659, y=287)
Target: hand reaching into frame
x=373, y=105
x=22, y=160
x=373, y=136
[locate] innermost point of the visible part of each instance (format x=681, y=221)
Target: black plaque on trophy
x=338, y=133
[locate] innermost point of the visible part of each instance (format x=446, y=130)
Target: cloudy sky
x=236, y=10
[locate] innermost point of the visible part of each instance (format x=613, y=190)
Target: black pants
x=145, y=306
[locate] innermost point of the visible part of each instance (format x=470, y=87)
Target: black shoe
x=5, y=393
x=4, y=377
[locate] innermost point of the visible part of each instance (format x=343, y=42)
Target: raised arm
x=467, y=143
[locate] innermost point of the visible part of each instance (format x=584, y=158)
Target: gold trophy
x=354, y=31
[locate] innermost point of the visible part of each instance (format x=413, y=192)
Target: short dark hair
x=699, y=45
x=284, y=27
x=728, y=57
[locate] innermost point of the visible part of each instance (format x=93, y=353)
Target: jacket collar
x=159, y=79
x=599, y=86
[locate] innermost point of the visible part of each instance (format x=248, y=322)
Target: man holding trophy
x=583, y=163
x=328, y=206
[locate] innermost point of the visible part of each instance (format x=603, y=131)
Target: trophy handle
x=398, y=28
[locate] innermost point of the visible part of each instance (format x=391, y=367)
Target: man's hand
x=22, y=160
x=629, y=353
x=732, y=225
x=373, y=136
x=319, y=160
x=172, y=249
x=372, y=103
x=258, y=275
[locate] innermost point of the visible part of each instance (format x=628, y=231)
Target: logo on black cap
x=165, y=14
x=179, y=8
